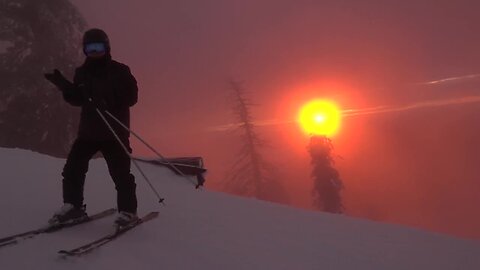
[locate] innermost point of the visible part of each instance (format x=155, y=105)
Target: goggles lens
x=94, y=48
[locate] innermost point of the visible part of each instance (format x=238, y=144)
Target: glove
x=85, y=90
x=100, y=104
x=97, y=104
x=57, y=78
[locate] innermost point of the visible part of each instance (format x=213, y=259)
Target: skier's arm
x=73, y=95
x=127, y=94
x=56, y=77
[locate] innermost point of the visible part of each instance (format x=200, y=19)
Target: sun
x=320, y=117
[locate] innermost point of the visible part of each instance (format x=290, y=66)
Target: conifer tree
x=326, y=179
x=251, y=175
x=36, y=37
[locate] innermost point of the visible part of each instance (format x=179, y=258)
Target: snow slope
x=205, y=230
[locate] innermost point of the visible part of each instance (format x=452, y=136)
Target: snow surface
x=204, y=229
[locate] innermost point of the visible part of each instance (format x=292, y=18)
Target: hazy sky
x=414, y=166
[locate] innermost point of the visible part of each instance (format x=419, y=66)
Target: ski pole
x=146, y=144
x=160, y=199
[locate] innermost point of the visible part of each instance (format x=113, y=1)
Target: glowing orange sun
x=320, y=117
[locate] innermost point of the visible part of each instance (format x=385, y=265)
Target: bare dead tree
x=251, y=175
x=327, y=182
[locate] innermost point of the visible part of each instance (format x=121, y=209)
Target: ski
x=107, y=238
x=15, y=239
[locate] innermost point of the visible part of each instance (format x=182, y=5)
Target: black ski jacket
x=111, y=86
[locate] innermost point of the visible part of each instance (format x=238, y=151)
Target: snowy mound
x=199, y=229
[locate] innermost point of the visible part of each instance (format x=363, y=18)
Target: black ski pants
x=118, y=163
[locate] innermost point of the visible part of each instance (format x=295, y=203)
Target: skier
x=105, y=85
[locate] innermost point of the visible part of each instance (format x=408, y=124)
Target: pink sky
x=415, y=167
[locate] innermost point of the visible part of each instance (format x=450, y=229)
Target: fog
x=415, y=167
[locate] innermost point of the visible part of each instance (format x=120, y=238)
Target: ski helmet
x=96, y=35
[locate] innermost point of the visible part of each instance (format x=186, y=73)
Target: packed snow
x=201, y=229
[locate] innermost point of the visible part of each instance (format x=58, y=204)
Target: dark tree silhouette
x=36, y=37
x=327, y=182
x=251, y=175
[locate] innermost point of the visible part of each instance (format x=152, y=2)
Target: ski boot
x=68, y=213
x=124, y=219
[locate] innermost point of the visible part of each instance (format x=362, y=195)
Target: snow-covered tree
x=251, y=175
x=36, y=37
x=327, y=182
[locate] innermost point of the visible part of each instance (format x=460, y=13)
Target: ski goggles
x=97, y=47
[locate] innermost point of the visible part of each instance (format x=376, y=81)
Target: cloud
x=366, y=111
x=272, y=122
x=418, y=105
x=451, y=79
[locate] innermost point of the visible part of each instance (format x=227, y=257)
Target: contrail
x=366, y=111
x=451, y=79
x=419, y=105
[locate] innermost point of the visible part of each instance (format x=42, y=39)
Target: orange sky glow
x=404, y=75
